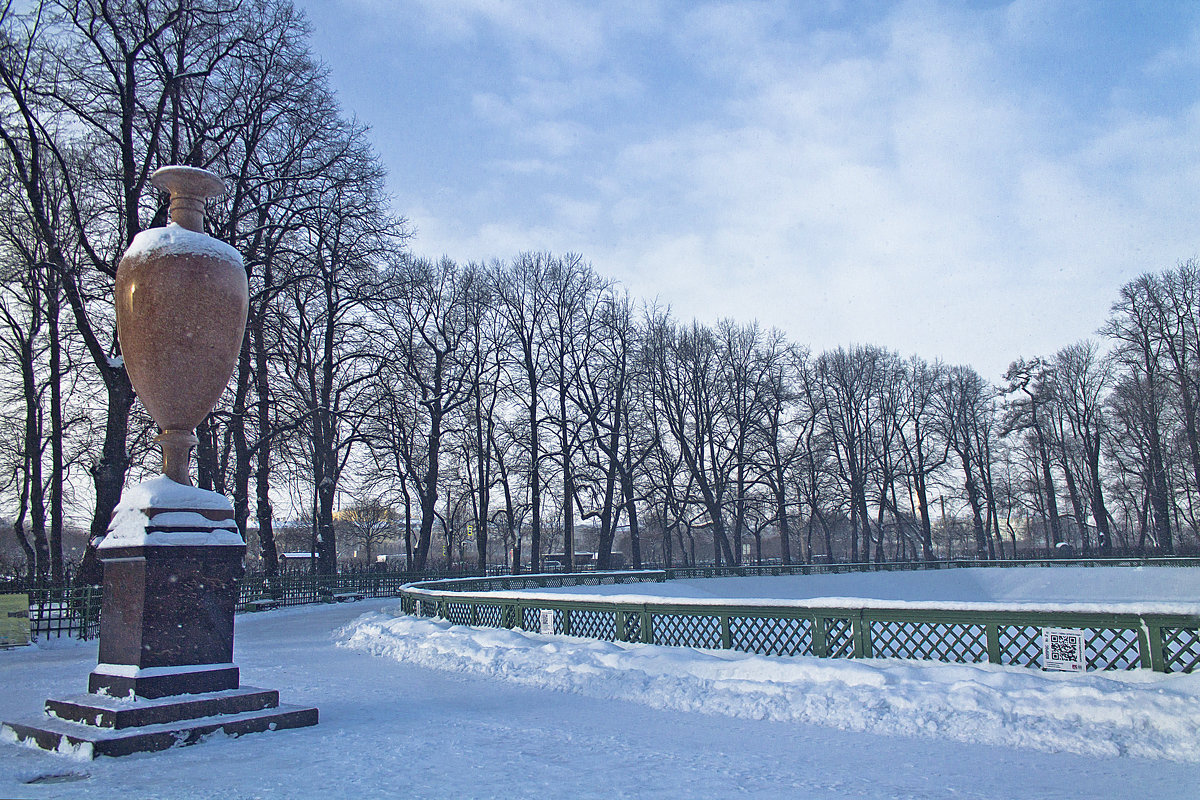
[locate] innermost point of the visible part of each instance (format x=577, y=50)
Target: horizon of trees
x=503, y=409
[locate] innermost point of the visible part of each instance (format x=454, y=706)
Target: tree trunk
x=781, y=515
x=1048, y=482
x=108, y=474
x=57, y=431
x=262, y=474
x=1159, y=497
x=1099, y=510
x=635, y=536
x=535, y=479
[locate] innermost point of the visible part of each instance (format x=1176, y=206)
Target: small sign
x=547, y=620
x=1062, y=649
x=14, y=620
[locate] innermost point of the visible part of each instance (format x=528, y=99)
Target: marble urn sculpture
x=173, y=553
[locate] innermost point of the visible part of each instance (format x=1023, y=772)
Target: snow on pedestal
x=162, y=513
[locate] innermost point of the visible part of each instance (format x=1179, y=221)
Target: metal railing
x=989, y=633
x=74, y=610
x=56, y=611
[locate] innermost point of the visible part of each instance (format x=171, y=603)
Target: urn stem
x=176, y=450
x=188, y=212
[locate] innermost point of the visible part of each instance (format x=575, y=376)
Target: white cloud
x=889, y=184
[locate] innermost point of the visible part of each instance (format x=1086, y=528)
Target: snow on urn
x=181, y=299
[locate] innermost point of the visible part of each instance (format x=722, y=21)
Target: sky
x=971, y=182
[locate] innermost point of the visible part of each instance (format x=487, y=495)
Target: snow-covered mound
x=1141, y=714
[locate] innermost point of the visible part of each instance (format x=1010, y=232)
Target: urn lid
x=189, y=188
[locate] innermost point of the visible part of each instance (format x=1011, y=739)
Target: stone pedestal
x=165, y=675
x=166, y=626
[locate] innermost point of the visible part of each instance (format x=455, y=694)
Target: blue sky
x=971, y=182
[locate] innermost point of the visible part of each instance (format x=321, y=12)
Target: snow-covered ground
x=1164, y=589
x=417, y=708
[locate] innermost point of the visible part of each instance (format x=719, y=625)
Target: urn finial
x=189, y=188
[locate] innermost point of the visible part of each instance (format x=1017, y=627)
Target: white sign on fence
x=547, y=620
x=1062, y=649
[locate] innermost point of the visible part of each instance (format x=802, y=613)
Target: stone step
x=119, y=713
x=88, y=741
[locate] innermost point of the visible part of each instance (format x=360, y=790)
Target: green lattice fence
x=1163, y=642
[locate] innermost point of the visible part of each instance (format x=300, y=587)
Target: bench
x=262, y=604
x=349, y=597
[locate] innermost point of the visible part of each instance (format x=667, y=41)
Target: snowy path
x=396, y=729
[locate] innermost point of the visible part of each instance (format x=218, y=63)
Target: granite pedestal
x=165, y=675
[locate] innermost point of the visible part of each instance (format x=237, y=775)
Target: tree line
x=520, y=406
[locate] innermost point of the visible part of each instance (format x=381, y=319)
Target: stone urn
x=173, y=552
x=181, y=300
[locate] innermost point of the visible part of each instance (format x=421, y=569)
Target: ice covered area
x=128, y=526
x=1100, y=589
x=174, y=239
x=431, y=725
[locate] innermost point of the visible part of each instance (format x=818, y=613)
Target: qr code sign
x=1063, y=650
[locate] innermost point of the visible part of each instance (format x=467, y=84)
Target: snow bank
x=173, y=239
x=1140, y=714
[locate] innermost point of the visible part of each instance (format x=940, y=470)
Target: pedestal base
x=124, y=681
x=91, y=725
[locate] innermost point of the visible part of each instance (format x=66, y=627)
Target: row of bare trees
x=533, y=397
x=514, y=408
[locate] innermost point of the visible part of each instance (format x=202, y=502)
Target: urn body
x=181, y=301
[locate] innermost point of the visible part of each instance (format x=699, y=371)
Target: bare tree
x=369, y=524
x=428, y=327
x=1134, y=329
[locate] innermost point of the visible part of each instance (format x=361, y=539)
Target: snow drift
x=1140, y=713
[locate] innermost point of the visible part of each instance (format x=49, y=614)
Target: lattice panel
x=1181, y=649
x=1111, y=648
x=530, y=619
x=929, y=641
x=773, y=637
x=633, y=627
x=687, y=630
x=458, y=613
x=594, y=624
x=490, y=616
x=1021, y=645
x=839, y=638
